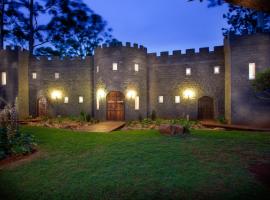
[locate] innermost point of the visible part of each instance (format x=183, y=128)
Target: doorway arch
x=205, y=108
x=42, y=106
x=115, y=106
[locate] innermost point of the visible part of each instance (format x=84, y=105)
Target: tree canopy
x=242, y=20
x=52, y=27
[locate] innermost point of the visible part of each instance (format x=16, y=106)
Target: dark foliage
x=261, y=85
x=245, y=21
x=71, y=28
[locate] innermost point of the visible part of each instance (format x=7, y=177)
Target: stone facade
x=158, y=75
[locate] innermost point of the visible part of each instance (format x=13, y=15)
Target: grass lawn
x=139, y=165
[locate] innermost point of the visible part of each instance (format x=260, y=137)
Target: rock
x=167, y=129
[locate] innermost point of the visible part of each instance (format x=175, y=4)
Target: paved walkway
x=104, y=127
x=213, y=124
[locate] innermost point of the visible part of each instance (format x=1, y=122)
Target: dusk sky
x=163, y=25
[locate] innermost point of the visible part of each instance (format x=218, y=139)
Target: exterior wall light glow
x=131, y=94
x=56, y=95
x=101, y=93
x=189, y=94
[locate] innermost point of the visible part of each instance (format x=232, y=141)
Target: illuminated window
x=56, y=75
x=97, y=69
x=160, y=99
x=137, y=103
x=97, y=103
x=252, y=71
x=216, y=70
x=136, y=67
x=177, y=99
x=66, y=100
x=80, y=99
x=114, y=66
x=188, y=71
x=3, y=78
x=34, y=75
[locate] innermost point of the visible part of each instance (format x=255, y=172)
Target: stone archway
x=115, y=106
x=205, y=108
x=42, y=107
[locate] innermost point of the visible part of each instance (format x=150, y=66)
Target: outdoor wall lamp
x=131, y=94
x=56, y=95
x=189, y=94
x=101, y=93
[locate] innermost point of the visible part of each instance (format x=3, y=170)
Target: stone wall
x=9, y=63
x=168, y=79
x=124, y=79
x=75, y=80
x=163, y=75
x=245, y=107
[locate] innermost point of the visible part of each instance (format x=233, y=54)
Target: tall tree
x=75, y=30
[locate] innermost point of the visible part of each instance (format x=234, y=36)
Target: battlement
x=188, y=52
x=120, y=44
x=60, y=59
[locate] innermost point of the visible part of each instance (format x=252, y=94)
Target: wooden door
x=42, y=107
x=115, y=106
x=205, y=108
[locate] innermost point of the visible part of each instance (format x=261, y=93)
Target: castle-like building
x=124, y=82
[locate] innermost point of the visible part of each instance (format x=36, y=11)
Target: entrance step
x=104, y=127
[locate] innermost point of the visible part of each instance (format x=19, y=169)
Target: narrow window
x=97, y=69
x=114, y=66
x=160, y=99
x=188, y=71
x=66, y=100
x=177, y=99
x=3, y=78
x=216, y=70
x=136, y=67
x=56, y=75
x=97, y=103
x=34, y=75
x=80, y=99
x=252, y=71
x=137, y=103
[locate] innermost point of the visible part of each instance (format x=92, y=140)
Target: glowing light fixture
x=131, y=94
x=189, y=94
x=101, y=93
x=56, y=95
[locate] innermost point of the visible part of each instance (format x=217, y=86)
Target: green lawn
x=139, y=165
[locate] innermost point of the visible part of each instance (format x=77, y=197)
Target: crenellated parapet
x=204, y=51
x=120, y=45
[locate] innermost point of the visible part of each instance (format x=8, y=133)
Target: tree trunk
x=31, y=28
x=2, y=24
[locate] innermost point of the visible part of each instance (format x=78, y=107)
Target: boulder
x=168, y=129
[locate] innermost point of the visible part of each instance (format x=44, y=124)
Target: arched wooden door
x=42, y=107
x=205, y=108
x=115, y=106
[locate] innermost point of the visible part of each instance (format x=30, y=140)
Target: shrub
x=187, y=124
x=153, y=115
x=222, y=120
x=88, y=117
x=22, y=144
x=11, y=140
x=140, y=118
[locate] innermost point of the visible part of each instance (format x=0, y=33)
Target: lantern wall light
x=131, y=94
x=56, y=94
x=189, y=94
